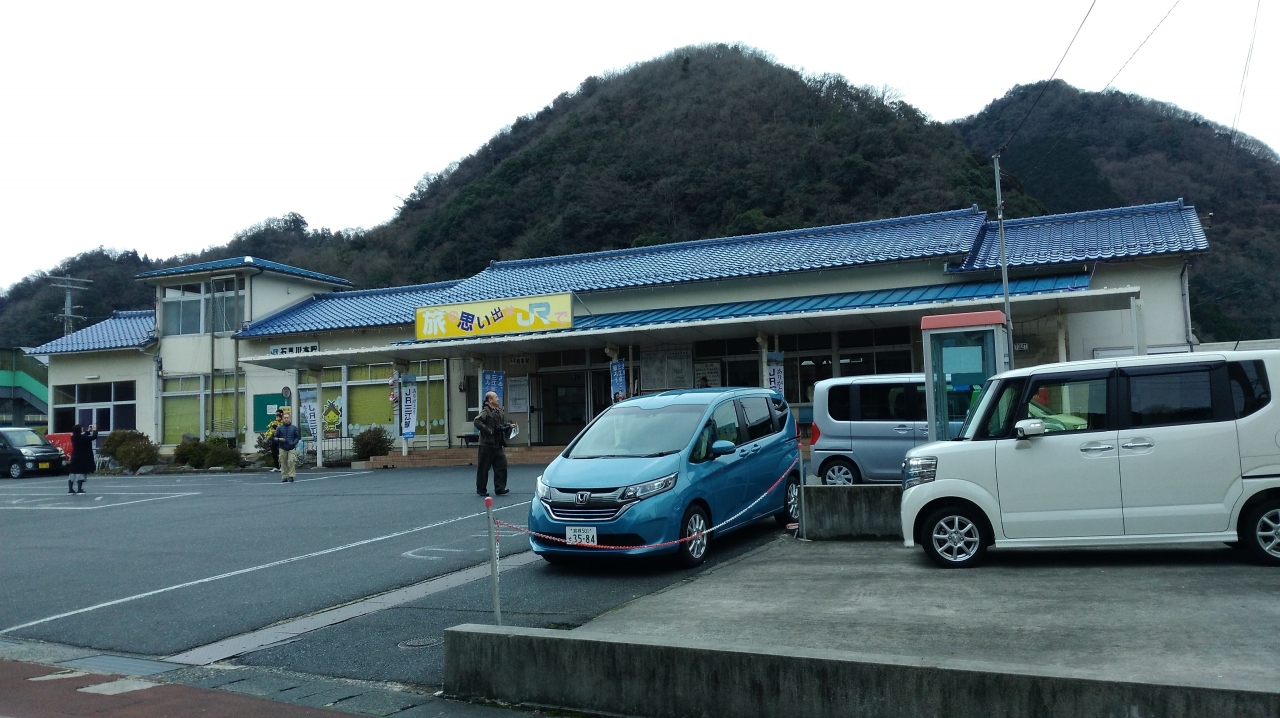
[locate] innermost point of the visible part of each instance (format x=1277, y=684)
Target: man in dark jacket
x=82, y=462
x=492, y=425
x=287, y=437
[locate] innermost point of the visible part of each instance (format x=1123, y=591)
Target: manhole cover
x=420, y=642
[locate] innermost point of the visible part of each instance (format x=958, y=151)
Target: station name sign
x=305, y=348
x=499, y=316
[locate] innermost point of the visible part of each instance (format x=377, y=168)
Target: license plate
x=44, y=465
x=580, y=534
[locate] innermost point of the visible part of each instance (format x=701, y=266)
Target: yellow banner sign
x=499, y=316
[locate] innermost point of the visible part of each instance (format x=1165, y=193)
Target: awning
x=1029, y=297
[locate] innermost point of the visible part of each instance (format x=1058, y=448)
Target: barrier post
x=804, y=479
x=493, y=558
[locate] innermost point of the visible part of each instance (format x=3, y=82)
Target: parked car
x=1164, y=449
x=864, y=425
x=659, y=468
x=23, y=452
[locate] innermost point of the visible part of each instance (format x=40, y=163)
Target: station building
x=229, y=341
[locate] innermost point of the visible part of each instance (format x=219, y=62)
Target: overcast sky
x=167, y=127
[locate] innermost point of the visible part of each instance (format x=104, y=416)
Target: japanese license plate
x=580, y=534
x=44, y=464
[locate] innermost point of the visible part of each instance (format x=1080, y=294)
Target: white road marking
x=414, y=553
x=251, y=569
x=115, y=688
x=48, y=507
x=59, y=675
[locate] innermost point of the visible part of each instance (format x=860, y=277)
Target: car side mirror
x=1028, y=428
x=722, y=447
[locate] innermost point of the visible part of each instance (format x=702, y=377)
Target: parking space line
x=251, y=569
x=45, y=507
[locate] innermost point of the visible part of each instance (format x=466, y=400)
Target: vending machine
x=961, y=351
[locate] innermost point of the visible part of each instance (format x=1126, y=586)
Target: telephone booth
x=961, y=351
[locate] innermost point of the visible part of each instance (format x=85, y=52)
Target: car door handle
x=902, y=429
x=744, y=451
x=1137, y=445
x=755, y=448
x=1097, y=448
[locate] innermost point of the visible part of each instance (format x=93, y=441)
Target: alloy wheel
x=15, y=470
x=793, y=500
x=1268, y=530
x=838, y=475
x=697, y=525
x=956, y=538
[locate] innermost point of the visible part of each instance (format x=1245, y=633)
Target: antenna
x=70, y=284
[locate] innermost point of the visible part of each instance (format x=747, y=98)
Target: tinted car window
x=759, y=420
x=1000, y=420
x=884, y=402
x=702, y=445
x=1067, y=405
x=1179, y=397
x=839, y=406
x=725, y=417
x=1250, y=390
x=780, y=412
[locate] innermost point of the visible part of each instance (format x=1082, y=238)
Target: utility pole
x=69, y=284
x=1004, y=261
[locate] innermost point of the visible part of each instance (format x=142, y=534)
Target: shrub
x=118, y=438
x=221, y=454
x=374, y=441
x=136, y=451
x=191, y=452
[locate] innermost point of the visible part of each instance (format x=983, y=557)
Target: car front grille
x=561, y=513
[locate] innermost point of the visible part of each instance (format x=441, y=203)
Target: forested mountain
x=715, y=141
x=1086, y=150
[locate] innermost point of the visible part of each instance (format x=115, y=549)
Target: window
x=182, y=309
x=1067, y=405
x=124, y=391
x=702, y=445
x=228, y=304
x=725, y=419
x=94, y=393
x=759, y=420
x=1250, y=390
x=999, y=422
x=74, y=404
x=839, y=405
x=1176, y=397
x=181, y=415
x=780, y=412
x=885, y=402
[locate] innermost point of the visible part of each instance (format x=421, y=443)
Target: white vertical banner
x=777, y=378
x=408, y=409
x=310, y=411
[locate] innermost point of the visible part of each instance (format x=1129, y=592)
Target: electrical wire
x=1048, y=82
x=1112, y=81
x=1244, y=77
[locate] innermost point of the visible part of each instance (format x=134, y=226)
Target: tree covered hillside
x=1086, y=150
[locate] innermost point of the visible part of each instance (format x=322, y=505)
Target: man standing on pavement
x=287, y=437
x=492, y=425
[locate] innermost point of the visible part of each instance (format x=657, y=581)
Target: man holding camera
x=491, y=423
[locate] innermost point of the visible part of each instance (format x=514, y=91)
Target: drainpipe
x=1062, y=337
x=1186, y=304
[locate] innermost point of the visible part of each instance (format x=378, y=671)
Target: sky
x=167, y=127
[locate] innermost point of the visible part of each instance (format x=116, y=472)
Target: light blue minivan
x=655, y=469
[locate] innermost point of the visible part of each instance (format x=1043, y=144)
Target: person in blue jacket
x=287, y=437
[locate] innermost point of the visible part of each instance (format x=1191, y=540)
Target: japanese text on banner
x=499, y=316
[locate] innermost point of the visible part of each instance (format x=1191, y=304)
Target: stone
x=144, y=470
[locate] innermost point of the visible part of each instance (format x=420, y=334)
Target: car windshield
x=25, y=437
x=630, y=431
x=976, y=409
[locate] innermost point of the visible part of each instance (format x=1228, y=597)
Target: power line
x=1244, y=77
x=1140, y=46
x=1013, y=134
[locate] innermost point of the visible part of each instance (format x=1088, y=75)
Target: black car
x=23, y=451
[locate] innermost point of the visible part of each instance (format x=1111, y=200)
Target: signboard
x=618, y=380
x=670, y=369
x=499, y=316
x=310, y=410
x=706, y=374
x=264, y=410
x=303, y=348
x=331, y=417
x=492, y=381
x=408, y=410
x=518, y=395
x=776, y=378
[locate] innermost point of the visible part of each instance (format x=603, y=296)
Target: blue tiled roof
x=1126, y=232
x=903, y=297
x=350, y=310
x=943, y=234
x=240, y=263
x=122, y=331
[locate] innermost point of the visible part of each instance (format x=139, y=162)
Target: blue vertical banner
x=492, y=381
x=618, y=380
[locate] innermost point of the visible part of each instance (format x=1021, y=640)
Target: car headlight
x=919, y=470
x=649, y=488
x=541, y=490
x=28, y=453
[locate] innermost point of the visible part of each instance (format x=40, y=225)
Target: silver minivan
x=864, y=425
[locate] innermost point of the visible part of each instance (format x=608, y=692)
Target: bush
x=136, y=451
x=374, y=441
x=221, y=454
x=118, y=438
x=191, y=452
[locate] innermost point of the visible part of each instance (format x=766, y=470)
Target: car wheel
x=1261, y=533
x=694, y=551
x=952, y=537
x=790, y=512
x=15, y=470
x=840, y=472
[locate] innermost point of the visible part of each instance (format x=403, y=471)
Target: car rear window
x=1176, y=397
x=1250, y=390
x=885, y=402
x=759, y=420
x=839, y=406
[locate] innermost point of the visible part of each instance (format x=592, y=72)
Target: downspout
x=235, y=364
x=208, y=429
x=1186, y=304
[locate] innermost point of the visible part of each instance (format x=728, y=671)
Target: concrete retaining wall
x=640, y=677
x=851, y=512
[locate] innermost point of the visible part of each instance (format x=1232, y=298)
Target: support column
x=762, y=340
x=1139, y=326
x=1062, y=337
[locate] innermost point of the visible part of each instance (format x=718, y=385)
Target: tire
x=953, y=537
x=693, y=553
x=790, y=512
x=840, y=472
x=1260, y=533
x=15, y=470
